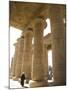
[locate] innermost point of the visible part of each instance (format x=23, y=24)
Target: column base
x=59, y=83
x=38, y=83
x=27, y=81
x=11, y=77
x=15, y=78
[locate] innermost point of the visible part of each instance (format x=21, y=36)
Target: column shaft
x=19, y=58
x=37, y=63
x=45, y=61
x=13, y=65
x=58, y=46
x=27, y=59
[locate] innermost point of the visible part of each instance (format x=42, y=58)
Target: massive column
x=19, y=57
x=14, y=59
x=37, y=73
x=27, y=58
x=58, y=46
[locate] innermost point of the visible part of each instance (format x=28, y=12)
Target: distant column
x=19, y=58
x=14, y=59
x=11, y=67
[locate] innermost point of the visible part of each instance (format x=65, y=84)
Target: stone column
x=19, y=58
x=58, y=46
x=13, y=64
x=37, y=73
x=27, y=58
x=45, y=61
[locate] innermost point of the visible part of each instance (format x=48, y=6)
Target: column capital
x=22, y=37
x=15, y=44
x=40, y=17
x=40, y=21
x=29, y=29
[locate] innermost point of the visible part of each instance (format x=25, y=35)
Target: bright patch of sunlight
x=50, y=57
x=48, y=28
x=33, y=40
